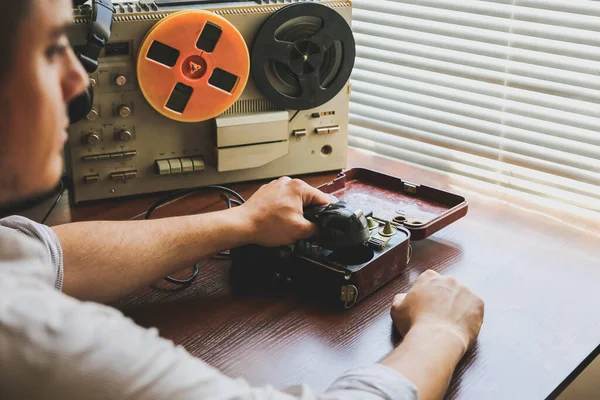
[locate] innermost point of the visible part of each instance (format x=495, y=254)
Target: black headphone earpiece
x=98, y=35
x=81, y=105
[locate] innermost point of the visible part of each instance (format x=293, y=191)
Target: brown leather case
x=345, y=277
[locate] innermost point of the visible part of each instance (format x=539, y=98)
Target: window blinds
x=503, y=91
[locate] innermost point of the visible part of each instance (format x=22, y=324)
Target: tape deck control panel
x=192, y=93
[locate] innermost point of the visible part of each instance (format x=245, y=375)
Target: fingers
x=398, y=299
x=310, y=195
x=306, y=228
x=426, y=277
x=429, y=274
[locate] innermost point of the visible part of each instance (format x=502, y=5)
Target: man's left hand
x=275, y=212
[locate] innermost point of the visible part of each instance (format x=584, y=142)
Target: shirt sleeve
x=46, y=237
x=53, y=346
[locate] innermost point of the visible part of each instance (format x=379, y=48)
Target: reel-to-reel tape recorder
x=190, y=93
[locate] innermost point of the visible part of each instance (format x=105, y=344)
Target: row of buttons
x=115, y=176
x=179, y=165
x=121, y=176
x=110, y=156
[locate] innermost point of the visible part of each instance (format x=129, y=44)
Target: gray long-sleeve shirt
x=53, y=346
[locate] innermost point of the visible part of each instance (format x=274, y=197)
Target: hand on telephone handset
x=338, y=226
x=274, y=214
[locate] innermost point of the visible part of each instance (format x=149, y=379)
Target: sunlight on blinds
x=507, y=92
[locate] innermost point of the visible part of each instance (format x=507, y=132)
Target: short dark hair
x=12, y=15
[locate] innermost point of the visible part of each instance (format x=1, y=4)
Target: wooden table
x=537, y=269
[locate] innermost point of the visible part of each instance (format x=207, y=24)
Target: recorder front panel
x=124, y=146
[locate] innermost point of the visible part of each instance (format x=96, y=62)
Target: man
x=58, y=342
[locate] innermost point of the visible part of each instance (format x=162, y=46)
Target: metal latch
x=349, y=295
x=410, y=188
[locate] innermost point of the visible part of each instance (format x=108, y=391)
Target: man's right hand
x=439, y=303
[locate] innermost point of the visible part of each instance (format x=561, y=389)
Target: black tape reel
x=303, y=56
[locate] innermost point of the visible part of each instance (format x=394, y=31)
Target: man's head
x=39, y=75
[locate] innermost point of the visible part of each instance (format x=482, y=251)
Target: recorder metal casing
x=125, y=147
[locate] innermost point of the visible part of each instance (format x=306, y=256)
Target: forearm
x=107, y=260
x=427, y=357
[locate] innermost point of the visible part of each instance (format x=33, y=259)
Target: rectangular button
x=163, y=167
x=90, y=158
x=198, y=163
x=299, y=132
x=117, y=176
x=130, y=153
x=130, y=174
x=186, y=165
x=175, y=165
x=91, y=178
x=102, y=157
x=116, y=156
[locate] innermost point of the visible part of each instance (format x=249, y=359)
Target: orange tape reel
x=193, y=65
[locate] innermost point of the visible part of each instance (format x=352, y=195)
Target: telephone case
x=344, y=277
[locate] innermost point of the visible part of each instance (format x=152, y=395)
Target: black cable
x=185, y=192
x=230, y=201
x=181, y=193
x=294, y=116
x=185, y=281
x=60, y=194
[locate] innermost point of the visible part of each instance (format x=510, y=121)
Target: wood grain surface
x=538, y=270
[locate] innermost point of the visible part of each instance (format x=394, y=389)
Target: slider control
x=327, y=129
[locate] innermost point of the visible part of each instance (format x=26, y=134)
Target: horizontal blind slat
x=556, y=17
x=497, y=77
x=549, y=101
x=517, y=114
x=526, y=58
x=447, y=150
x=480, y=35
x=584, y=7
x=542, y=133
x=507, y=25
x=392, y=130
x=516, y=69
x=476, y=173
x=536, y=157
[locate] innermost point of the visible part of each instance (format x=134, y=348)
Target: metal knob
x=124, y=111
x=93, y=138
x=125, y=135
x=92, y=115
x=120, y=80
